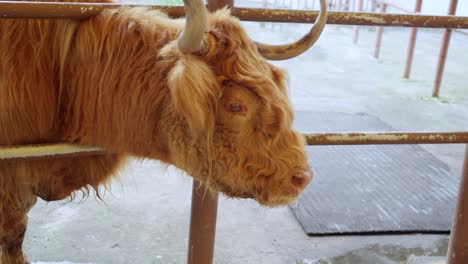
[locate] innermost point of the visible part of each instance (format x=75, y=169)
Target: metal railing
x=384, y=4
x=312, y=139
x=14, y=9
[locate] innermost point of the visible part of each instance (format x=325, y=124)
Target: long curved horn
x=288, y=51
x=191, y=39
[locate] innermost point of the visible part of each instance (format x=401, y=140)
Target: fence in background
x=382, y=6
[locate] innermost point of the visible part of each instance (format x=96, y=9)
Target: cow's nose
x=300, y=179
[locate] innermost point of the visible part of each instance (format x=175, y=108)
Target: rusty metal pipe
x=202, y=225
x=17, y=9
x=441, y=64
x=47, y=150
x=67, y=150
x=458, y=245
x=339, y=5
x=12, y=9
x=380, y=30
x=443, y=52
x=204, y=203
x=410, y=55
x=357, y=28
x=397, y=6
x=412, y=43
x=386, y=138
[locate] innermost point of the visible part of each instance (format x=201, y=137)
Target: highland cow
x=199, y=95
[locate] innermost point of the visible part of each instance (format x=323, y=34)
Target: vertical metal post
x=373, y=6
x=356, y=29
x=204, y=204
x=202, y=225
x=380, y=30
x=444, y=51
x=412, y=43
x=458, y=245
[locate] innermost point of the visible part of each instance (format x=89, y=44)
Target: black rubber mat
x=372, y=189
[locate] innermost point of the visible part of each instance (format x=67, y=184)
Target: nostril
x=298, y=180
x=301, y=179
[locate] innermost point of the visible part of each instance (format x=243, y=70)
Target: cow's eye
x=235, y=107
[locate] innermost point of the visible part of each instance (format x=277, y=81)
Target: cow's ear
x=194, y=91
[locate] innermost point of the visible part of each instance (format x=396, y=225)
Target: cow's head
x=236, y=133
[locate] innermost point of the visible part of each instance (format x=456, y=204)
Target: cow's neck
x=115, y=93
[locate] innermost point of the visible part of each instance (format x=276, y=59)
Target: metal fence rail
x=375, y=138
x=47, y=151
x=15, y=9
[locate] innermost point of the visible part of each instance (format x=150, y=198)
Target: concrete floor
x=145, y=216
